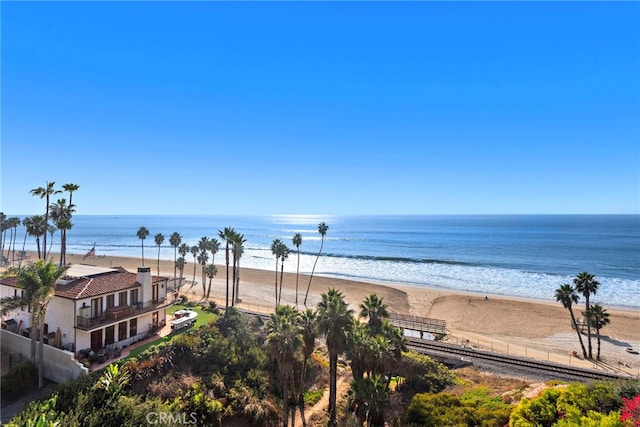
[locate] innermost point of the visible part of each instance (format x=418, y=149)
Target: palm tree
x=284, y=339
x=142, y=234
x=335, y=321
x=375, y=310
x=203, y=258
x=180, y=263
x=13, y=224
x=309, y=330
x=70, y=188
x=276, y=247
x=226, y=236
x=37, y=228
x=194, y=251
x=284, y=254
x=211, y=272
x=159, y=239
x=3, y=218
x=369, y=396
x=45, y=193
x=297, y=241
x=61, y=215
x=183, y=250
x=174, y=240
x=567, y=296
x=586, y=284
x=322, y=229
x=213, y=247
x=39, y=280
x=599, y=318
x=237, y=248
x=238, y=251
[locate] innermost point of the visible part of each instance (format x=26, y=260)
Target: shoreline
x=497, y=322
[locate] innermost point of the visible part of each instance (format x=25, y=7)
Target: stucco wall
x=59, y=365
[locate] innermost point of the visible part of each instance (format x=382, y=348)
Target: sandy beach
x=533, y=328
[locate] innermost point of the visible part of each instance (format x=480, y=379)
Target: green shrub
x=20, y=378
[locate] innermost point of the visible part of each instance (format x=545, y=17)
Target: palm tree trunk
x=301, y=394
x=226, y=254
x=238, y=282
x=575, y=326
x=281, y=276
x=333, y=378
x=41, y=354
x=204, y=281
x=312, y=271
x=297, y=274
x=233, y=282
x=598, y=335
x=277, y=282
x=24, y=244
x=285, y=403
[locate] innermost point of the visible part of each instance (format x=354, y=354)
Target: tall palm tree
x=45, y=193
x=309, y=330
x=183, y=250
x=71, y=188
x=61, y=214
x=213, y=247
x=194, y=251
x=335, y=321
x=180, y=263
x=13, y=224
x=567, y=296
x=211, y=272
x=322, y=229
x=28, y=224
x=237, y=248
x=284, y=254
x=599, y=318
x=587, y=285
x=284, y=339
x=276, y=247
x=39, y=280
x=174, y=240
x=142, y=234
x=203, y=258
x=297, y=241
x=159, y=239
x=37, y=228
x=375, y=310
x=3, y=218
x=226, y=236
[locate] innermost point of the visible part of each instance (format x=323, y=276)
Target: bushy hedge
x=21, y=378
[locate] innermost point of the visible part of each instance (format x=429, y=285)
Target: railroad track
x=535, y=367
x=510, y=363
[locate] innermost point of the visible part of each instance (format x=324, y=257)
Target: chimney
x=144, y=278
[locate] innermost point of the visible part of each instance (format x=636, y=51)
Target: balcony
x=119, y=313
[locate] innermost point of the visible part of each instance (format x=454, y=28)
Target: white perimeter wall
x=59, y=365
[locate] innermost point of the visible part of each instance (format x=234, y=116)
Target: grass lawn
x=204, y=317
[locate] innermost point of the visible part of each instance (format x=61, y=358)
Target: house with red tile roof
x=96, y=307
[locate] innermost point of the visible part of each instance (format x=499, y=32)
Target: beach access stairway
x=419, y=324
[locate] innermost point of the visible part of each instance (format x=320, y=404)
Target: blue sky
x=322, y=107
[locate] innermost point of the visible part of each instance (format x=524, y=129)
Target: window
x=122, y=298
x=133, y=327
x=122, y=331
x=96, y=307
x=154, y=293
x=111, y=299
x=109, y=335
x=134, y=296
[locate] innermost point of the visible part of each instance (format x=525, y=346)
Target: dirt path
x=316, y=415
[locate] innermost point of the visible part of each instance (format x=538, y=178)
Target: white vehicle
x=183, y=318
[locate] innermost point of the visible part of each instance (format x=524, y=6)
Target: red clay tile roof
x=95, y=285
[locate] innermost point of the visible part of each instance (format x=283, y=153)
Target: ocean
x=527, y=256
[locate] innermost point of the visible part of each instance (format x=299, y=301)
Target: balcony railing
x=119, y=313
